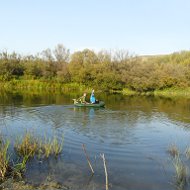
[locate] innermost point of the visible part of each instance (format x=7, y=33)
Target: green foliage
x=173, y=92
x=27, y=147
x=19, y=168
x=50, y=147
x=10, y=65
x=103, y=70
x=30, y=147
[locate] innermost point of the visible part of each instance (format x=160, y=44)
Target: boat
x=96, y=105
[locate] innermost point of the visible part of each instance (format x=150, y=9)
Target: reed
x=181, y=171
x=19, y=168
x=45, y=148
x=173, y=92
x=4, y=159
x=42, y=85
x=187, y=152
x=7, y=167
x=173, y=150
x=105, y=169
x=28, y=146
x=56, y=147
x=50, y=147
x=87, y=158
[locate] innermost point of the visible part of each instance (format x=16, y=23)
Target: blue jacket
x=92, y=98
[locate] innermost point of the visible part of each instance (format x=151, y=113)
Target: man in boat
x=82, y=99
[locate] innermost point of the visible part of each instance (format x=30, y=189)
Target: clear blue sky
x=140, y=26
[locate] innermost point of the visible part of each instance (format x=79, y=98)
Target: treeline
x=106, y=69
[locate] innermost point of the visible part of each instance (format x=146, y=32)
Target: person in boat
x=93, y=99
x=82, y=99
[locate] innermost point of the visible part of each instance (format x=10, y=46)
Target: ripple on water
x=134, y=142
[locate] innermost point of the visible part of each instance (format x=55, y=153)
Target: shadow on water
x=133, y=132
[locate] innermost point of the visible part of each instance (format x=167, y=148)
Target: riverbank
x=41, y=85
x=59, y=87
x=11, y=184
x=169, y=92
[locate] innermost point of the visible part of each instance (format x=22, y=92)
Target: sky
x=143, y=27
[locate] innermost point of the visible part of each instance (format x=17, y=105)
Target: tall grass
x=51, y=147
x=8, y=168
x=30, y=146
x=27, y=147
x=127, y=91
x=56, y=146
x=4, y=160
x=39, y=85
x=173, y=92
x=187, y=152
x=173, y=150
x=19, y=168
x=45, y=148
x=181, y=171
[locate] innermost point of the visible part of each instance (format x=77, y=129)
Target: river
x=134, y=133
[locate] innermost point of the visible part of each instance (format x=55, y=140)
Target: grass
x=41, y=85
x=187, y=152
x=26, y=148
x=6, y=167
x=173, y=92
x=54, y=85
x=168, y=92
x=45, y=148
x=51, y=147
x=181, y=171
x=56, y=147
x=173, y=150
x=30, y=147
x=4, y=160
x=19, y=168
x=128, y=92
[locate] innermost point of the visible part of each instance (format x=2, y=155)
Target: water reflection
x=177, y=109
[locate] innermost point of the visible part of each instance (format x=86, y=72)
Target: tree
x=81, y=65
x=61, y=54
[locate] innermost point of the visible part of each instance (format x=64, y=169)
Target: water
x=134, y=133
